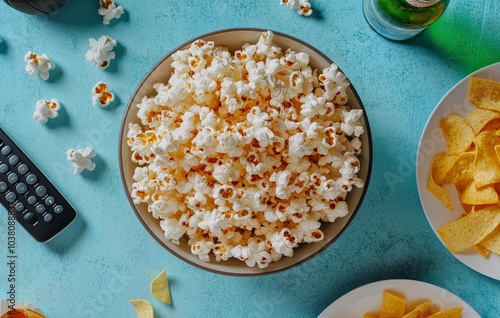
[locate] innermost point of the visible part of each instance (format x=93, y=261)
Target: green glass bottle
x=413, y=13
x=402, y=19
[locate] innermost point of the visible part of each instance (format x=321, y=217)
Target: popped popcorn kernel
x=101, y=95
x=109, y=11
x=302, y=7
x=101, y=51
x=38, y=65
x=80, y=159
x=245, y=155
x=46, y=109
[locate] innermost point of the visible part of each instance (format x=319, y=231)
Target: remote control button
x=32, y=200
x=21, y=188
x=6, y=150
x=10, y=197
x=22, y=169
x=47, y=217
x=40, y=208
x=30, y=217
x=3, y=187
x=12, y=178
x=19, y=206
x=31, y=179
x=4, y=168
x=50, y=200
x=58, y=209
x=41, y=191
x=13, y=160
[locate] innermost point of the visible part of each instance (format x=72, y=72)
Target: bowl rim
x=264, y=271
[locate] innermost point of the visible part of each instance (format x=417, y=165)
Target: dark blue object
x=36, y=7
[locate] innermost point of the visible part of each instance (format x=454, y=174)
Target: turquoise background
x=107, y=258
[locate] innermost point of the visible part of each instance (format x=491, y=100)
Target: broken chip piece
x=143, y=308
x=160, y=288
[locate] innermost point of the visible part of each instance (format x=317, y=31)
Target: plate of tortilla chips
x=458, y=170
x=403, y=298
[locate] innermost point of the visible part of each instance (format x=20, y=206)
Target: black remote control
x=24, y=190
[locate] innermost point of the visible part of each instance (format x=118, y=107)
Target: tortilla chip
x=492, y=241
x=481, y=250
x=479, y=118
x=463, y=168
x=369, y=315
x=457, y=133
x=470, y=230
x=160, y=288
x=468, y=193
x=493, y=127
x=440, y=193
x=393, y=306
x=143, y=308
x=455, y=312
x=486, y=164
x=441, y=166
x=484, y=93
x=423, y=310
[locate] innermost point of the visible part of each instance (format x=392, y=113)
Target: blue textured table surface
x=107, y=258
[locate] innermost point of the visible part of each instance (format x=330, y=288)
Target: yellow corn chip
x=468, y=193
x=440, y=193
x=455, y=312
x=368, y=315
x=457, y=133
x=423, y=310
x=143, y=308
x=463, y=168
x=492, y=241
x=483, y=251
x=493, y=126
x=479, y=117
x=486, y=164
x=393, y=306
x=484, y=93
x=441, y=166
x=160, y=288
x=497, y=150
x=471, y=229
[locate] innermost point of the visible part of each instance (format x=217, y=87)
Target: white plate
x=368, y=298
x=431, y=143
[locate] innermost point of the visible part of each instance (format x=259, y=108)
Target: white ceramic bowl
x=233, y=39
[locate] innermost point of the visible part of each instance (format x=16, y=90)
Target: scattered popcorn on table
x=303, y=7
x=81, y=159
x=38, y=65
x=245, y=155
x=101, y=52
x=46, y=109
x=109, y=11
x=101, y=95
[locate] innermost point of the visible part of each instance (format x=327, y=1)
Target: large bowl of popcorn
x=245, y=152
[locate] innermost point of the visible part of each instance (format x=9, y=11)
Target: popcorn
x=303, y=7
x=101, y=95
x=81, y=159
x=46, y=109
x=38, y=65
x=109, y=11
x=101, y=52
x=245, y=155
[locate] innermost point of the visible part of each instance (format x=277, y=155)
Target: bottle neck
x=422, y=3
